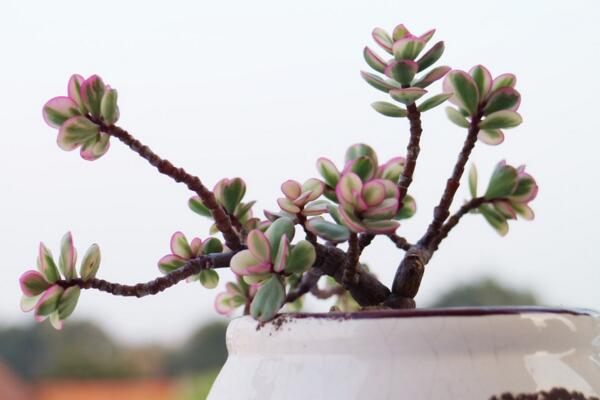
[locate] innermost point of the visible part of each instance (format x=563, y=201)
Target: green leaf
x=493, y=137
x=407, y=48
x=495, y=219
x=328, y=171
x=48, y=303
x=433, y=101
x=268, y=299
x=473, y=181
x=196, y=205
x=502, y=99
x=378, y=83
x=281, y=226
x=402, y=71
x=209, y=278
x=90, y=263
x=68, y=257
x=501, y=120
x=464, y=90
x=212, y=245
x=46, y=264
x=431, y=56
x=76, y=131
x=374, y=60
x=328, y=230
x=455, y=116
x=301, y=257
x=364, y=168
x=358, y=150
x=68, y=302
x=483, y=80
x=108, y=107
x=407, y=96
x=408, y=209
x=502, y=183
x=233, y=192
x=388, y=109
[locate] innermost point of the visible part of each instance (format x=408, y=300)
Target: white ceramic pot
x=470, y=353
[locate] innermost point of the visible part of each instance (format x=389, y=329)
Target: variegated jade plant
x=338, y=214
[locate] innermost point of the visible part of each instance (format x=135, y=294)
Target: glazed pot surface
x=463, y=353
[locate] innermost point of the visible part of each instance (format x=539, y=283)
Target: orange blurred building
x=103, y=390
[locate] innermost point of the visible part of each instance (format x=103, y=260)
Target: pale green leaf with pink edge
x=504, y=80
x=525, y=191
x=90, y=263
x=224, y=303
x=350, y=221
x=33, y=283
x=55, y=321
x=464, y=90
x=259, y=246
x=213, y=230
x=232, y=193
x=287, y=205
x=315, y=186
x=303, y=199
x=257, y=278
x=68, y=302
x=68, y=257
x=76, y=131
x=373, y=193
x=391, y=189
x=402, y=71
x=48, y=303
x=427, y=35
x=384, y=226
x=383, y=39
x=327, y=230
x=209, y=278
x=473, y=181
x=407, y=48
x=280, y=227
x=388, y=109
x=386, y=210
x=359, y=150
x=493, y=137
x=291, y=189
x=268, y=300
x=92, y=90
x=242, y=263
x=501, y=120
x=392, y=169
x=335, y=214
x=407, y=96
x=399, y=32
x=502, y=183
x=363, y=166
x=170, y=263
x=196, y=247
x=433, y=101
x=328, y=171
x=348, y=184
x=281, y=255
x=58, y=110
x=108, y=107
x=212, y=245
x=196, y=205
x=495, y=219
x=74, y=91
x=374, y=61
x=456, y=117
x=315, y=208
x=378, y=83
x=180, y=246
x=432, y=76
x=431, y=56
x=302, y=256
x=483, y=80
x=95, y=147
x=524, y=211
x=502, y=99
x=505, y=209
x=46, y=264
x=409, y=208
x=28, y=303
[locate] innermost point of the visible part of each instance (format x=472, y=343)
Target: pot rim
x=443, y=312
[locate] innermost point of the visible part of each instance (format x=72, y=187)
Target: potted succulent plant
x=374, y=342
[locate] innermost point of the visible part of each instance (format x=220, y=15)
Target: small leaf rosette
x=399, y=78
x=300, y=199
x=78, y=116
x=42, y=291
x=183, y=251
x=234, y=296
x=367, y=194
x=229, y=193
x=494, y=101
x=507, y=196
x=270, y=257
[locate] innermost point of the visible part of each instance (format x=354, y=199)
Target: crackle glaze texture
x=434, y=354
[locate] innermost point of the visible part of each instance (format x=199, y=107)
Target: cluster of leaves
x=89, y=102
x=41, y=290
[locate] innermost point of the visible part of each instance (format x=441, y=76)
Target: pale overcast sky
x=261, y=89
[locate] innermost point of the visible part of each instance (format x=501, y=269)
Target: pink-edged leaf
x=92, y=90
x=74, y=91
x=392, y=169
x=95, y=149
x=399, y=32
x=59, y=109
x=33, y=283
x=108, y=107
x=259, y=246
x=350, y=221
x=495, y=219
x=433, y=101
x=67, y=303
x=55, y=321
x=315, y=208
x=196, y=246
x=378, y=83
x=48, y=302
x=502, y=183
x=282, y=254
x=464, y=89
x=492, y=137
x=426, y=37
x=170, y=263
x=245, y=263
x=377, y=227
x=402, y=71
x=373, y=193
x=386, y=210
x=503, y=119
x=383, y=39
x=407, y=96
x=328, y=171
x=391, y=189
x=76, y=131
x=348, y=183
x=328, y=230
x=303, y=199
x=301, y=257
x=456, y=117
x=431, y=56
x=483, y=79
x=524, y=211
x=291, y=189
x=358, y=202
x=388, y=109
x=223, y=304
x=505, y=208
x=46, y=264
x=68, y=257
x=503, y=99
x=504, y=80
x=526, y=189
x=407, y=48
x=180, y=246
x=315, y=186
x=432, y=76
x=374, y=61
x=90, y=263
x=408, y=209
x=28, y=303
x=287, y=205
x=209, y=278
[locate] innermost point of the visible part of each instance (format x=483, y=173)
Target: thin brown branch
x=399, y=241
x=441, y=211
x=307, y=283
x=222, y=220
x=192, y=267
x=365, y=240
x=323, y=294
x=311, y=237
x=455, y=218
x=412, y=150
